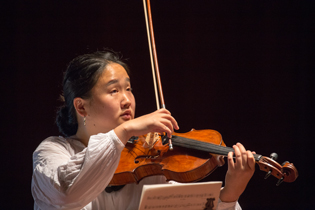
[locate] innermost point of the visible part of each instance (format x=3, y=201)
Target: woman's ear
x=80, y=106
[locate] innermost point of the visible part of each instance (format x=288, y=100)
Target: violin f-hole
x=151, y=157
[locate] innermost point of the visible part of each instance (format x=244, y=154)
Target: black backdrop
x=240, y=67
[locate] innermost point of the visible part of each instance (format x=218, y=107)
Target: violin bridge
x=150, y=139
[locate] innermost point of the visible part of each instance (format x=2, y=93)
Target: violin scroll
x=284, y=173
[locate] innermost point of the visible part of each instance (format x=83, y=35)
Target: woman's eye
x=129, y=89
x=113, y=91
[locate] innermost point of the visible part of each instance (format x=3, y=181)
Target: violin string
x=199, y=145
x=204, y=146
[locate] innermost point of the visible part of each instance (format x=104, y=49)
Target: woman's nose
x=126, y=101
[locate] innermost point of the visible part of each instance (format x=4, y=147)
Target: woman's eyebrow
x=114, y=81
x=111, y=82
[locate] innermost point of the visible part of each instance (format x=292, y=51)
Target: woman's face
x=112, y=102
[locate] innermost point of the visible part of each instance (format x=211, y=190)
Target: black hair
x=79, y=79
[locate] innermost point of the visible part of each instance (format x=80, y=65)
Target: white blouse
x=68, y=175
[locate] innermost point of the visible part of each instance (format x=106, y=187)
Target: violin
x=195, y=154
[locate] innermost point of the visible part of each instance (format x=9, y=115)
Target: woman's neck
x=82, y=136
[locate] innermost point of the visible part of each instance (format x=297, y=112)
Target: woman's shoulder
x=53, y=141
x=59, y=144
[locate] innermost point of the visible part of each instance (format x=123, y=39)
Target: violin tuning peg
x=284, y=163
x=274, y=156
x=280, y=181
x=268, y=174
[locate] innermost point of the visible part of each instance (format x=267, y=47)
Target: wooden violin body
x=196, y=154
x=180, y=164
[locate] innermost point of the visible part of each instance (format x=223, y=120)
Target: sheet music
x=191, y=196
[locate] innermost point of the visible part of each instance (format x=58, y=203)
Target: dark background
x=243, y=68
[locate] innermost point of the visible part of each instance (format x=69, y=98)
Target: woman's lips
x=126, y=115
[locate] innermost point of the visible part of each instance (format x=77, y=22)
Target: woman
x=97, y=120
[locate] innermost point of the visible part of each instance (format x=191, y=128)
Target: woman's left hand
x=239, y=173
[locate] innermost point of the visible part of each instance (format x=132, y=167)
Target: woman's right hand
x=159, y=121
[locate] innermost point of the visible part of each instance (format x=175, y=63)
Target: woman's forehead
x=113, y=73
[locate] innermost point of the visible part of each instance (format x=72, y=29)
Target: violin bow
x=154, y=59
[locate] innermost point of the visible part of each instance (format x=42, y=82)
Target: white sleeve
x=228, y=206
x=64, y=181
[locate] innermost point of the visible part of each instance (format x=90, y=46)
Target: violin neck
x=205, y=146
